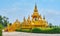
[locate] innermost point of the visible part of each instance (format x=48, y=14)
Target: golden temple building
x=13, y=27
x=36, y=21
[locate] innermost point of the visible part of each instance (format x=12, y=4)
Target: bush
x=21, y=30
x=54, y=30
x=36, y=30
x=18, y=30
x=1, y=27
x=0, y=32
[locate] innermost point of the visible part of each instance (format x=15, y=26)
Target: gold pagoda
x=36, y=22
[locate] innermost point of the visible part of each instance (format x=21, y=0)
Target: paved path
x=26, y=34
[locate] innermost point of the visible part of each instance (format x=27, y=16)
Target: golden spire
x=35, y=9
x=24, y=19
x=16, y=20
x=28, y=18
x=35, y=13
x=24, y=22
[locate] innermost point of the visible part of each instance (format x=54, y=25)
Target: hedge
x=38, y=30
x=54, y=30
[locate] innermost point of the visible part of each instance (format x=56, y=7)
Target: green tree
x=1, y=19
x=50, y=25
x=4, y=20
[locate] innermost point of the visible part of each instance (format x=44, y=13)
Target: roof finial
x=28, y=17
x=35, y=9
x=24, y=19
x=35, y=6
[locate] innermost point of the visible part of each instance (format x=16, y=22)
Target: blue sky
x=17, y=9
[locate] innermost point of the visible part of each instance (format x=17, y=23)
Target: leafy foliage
x=1, y=27
x=54, y=30
x=50, y=25
x=0, y=32
x=22, y=30
x=4, y=20
x=36, y=30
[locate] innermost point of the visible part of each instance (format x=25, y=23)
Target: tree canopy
x=4, y=20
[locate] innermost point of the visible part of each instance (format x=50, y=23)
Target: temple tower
x=36, y=16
